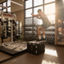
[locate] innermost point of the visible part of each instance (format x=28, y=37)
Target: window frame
x=3, y=8
x=43, y=5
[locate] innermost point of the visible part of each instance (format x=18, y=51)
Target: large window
x=47, y=6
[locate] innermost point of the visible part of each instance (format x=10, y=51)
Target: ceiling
x=2, y=1
x=16, y=7
x=12, y=0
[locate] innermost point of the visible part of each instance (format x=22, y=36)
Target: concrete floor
x=52, y=55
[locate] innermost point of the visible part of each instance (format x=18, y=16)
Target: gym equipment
x=50, y=34
x=60, y=23
x=36, y=47
x=9, y=35
x=13, y=48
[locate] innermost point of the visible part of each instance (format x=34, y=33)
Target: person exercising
x=46, y=23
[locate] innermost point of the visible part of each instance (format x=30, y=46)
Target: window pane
x=9, y=2
x=28, y=3
x=36, y=9
x=4, y=4
x=38, y=2
x=51, y=18
x=49, y=9
x=47, y=1
x=9, y=9
x=28, y=21
x=48, y=16
x=28, y=13
x=4, y=10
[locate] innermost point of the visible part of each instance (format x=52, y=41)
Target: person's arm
x=35, y=15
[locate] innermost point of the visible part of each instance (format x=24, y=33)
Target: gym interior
x=23, y=36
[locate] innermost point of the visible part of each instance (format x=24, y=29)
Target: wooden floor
x=52, y=55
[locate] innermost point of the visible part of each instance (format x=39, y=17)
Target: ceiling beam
x=1, y=1
x=17, y=3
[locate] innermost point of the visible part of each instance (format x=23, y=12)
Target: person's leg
x=39, y=34
x=43, y=31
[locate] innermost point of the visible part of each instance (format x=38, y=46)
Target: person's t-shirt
x=38, y=22
x=45, y=20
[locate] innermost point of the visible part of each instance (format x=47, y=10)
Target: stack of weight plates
x=13, y=47
x=36, y=47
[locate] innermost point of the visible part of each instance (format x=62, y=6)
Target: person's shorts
x=41, y=26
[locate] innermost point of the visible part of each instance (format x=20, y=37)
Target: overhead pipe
x=17, y=3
